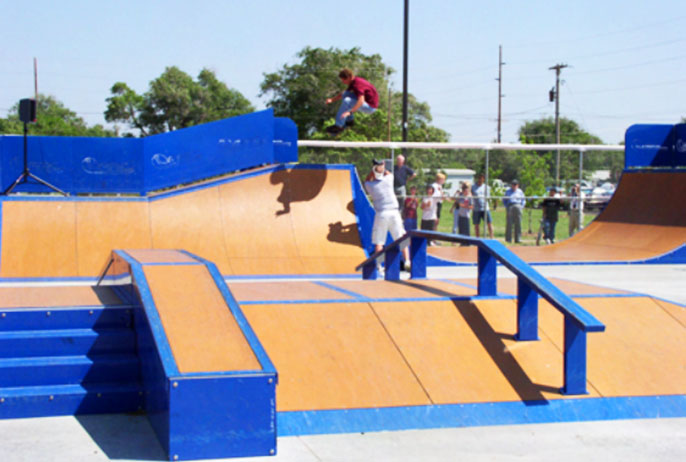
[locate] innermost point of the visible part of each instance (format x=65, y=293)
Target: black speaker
x=27, y=110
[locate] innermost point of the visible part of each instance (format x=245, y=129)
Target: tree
x=174, y=100
x=543, y=131
x=52, y=119
x=298, y=91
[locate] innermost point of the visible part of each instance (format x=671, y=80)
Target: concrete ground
x=130, y=437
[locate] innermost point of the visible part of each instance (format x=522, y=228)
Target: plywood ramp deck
x=369, y=353
x=277, y=221
x=644, y=219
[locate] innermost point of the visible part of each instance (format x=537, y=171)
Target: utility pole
x=500, y=88
x=555, y=93
x=405, y=41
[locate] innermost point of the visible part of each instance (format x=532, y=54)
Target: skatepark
x=205, y=281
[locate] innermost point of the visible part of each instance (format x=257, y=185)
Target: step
x=105, y=398
x=63, y=370
x=65, y=318
x=66, y=342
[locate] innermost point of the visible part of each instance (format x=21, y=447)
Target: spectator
x=359, y=96
x=576, y=210
x=401, y=175
x=439, y=194
x=410, y=210
x=462, y=209
x=479, y=194
x=514, y=202
x=429, y=210
x=551, y=206
x=379, y=185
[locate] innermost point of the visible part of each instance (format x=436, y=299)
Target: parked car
x=599, y=196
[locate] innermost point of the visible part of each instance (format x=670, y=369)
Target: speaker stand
x=26, y=174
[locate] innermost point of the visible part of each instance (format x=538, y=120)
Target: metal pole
x=557, y=124
x=405, y=42
x=500, y=86
x=487, y=193
x=557, y=68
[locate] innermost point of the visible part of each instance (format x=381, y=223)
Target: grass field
x=531, y=219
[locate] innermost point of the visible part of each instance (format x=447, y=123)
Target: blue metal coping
x=292, y=423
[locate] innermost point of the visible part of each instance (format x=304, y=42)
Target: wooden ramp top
x=644, y=219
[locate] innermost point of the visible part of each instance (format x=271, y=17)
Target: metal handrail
x=530, y=285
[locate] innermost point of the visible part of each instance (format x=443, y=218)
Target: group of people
x=396, y=211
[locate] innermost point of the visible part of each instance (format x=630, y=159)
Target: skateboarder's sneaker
x=350, y=123
x=334, y=129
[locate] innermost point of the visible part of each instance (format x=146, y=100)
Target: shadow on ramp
x=298, y=186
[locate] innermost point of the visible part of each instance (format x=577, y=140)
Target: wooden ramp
x=358, y=346
x=645, y=219
x=277, y=220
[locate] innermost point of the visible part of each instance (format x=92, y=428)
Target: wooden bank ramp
x=355, y=345
x=645, y=219
x=278, y=220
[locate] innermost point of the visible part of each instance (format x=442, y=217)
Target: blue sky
x=627, y=58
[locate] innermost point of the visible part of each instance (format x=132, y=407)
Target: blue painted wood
x=65, y=318
x=203, y=415
x=369, y=271
x=418, y=257
x=65, y=342
x=217, y=417
x=574, y=359
x=392, y=264
x=487, y=273
x=479, y=414
x=56, y=400
x=527, y=311
x=143, y=165
x=61, y=370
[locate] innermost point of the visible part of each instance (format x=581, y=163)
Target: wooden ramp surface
x=644, y=219
x=296, y=221
x=373, y=353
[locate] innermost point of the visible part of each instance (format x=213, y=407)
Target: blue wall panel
x=209, y=149
x=655, y=146
x=81, y=165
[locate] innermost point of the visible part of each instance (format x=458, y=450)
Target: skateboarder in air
x=359, y=96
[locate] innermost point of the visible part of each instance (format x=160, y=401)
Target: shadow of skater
x=345, y=234
x=299, y=185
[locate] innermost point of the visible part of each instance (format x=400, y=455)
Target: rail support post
x=392, y=264
x=527, y=311
x=488, y=280
x=574, y=359
x=369, y=271
x=418, y=257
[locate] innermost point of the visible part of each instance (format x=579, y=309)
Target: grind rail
x=530, y=285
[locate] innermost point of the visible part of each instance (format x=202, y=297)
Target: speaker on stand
x=27, y=114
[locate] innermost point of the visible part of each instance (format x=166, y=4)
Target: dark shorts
x=478, y=216
x=428, y=224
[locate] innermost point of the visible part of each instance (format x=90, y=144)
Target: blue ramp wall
x=655, y=146
x=83, y=165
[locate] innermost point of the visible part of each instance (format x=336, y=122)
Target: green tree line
x=176, y=100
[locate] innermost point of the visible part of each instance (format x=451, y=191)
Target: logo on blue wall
x=160, y=160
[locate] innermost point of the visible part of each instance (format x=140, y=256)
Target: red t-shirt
x=360, y=86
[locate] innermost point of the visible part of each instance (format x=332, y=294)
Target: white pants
x=388, y=220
